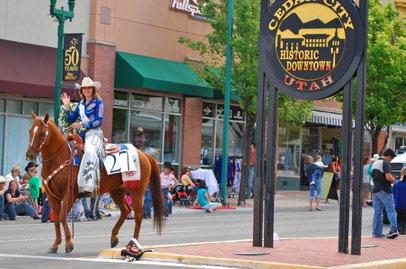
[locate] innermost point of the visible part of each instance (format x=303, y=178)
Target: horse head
x=38, y=135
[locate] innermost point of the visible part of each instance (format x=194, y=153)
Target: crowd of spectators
x=23, y=194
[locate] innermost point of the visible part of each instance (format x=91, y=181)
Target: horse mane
x=53, y=128
x=70, y=136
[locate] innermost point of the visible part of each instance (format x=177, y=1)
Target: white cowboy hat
x=375, y=157
x=3, y=179
x=88, y=82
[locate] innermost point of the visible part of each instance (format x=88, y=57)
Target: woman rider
x=90, y=112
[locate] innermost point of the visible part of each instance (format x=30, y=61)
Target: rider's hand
x=65, y=98
x=76, y=125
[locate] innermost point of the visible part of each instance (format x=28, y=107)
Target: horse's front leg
x=56, y=208
x=118, y=196
x=66, y=207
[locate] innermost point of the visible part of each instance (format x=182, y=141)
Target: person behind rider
x=90, y=112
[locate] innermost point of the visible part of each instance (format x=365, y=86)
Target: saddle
x=76, y=140
x=78, y=144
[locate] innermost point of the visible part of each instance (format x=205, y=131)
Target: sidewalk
x=287, y=253
x=314, y=252
x=284, y=199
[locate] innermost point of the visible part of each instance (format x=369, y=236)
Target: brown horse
x=60, y=180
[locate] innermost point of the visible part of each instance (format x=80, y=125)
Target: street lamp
x=227, y=93
x=62, y=15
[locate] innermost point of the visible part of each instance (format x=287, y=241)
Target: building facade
x=152, y=98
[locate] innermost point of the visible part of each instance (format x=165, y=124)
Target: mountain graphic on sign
x=294, y=24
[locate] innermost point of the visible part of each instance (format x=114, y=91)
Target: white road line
x=168, y=264
x=203, y=216
x=93, y=236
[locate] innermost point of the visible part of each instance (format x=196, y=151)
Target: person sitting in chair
x=90, y=112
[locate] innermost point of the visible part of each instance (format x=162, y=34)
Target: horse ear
x=46, y=118
x=33, y=115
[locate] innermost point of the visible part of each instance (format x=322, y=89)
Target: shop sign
x=235, y=113
x=208, y=110
x=188, y=6
x=120, y=103
x=72, y=54
x=312, y=47
x=137, y=104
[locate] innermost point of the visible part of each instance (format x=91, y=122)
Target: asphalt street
x=25, y=241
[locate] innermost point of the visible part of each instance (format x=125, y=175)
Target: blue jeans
x=251, y=176
x=382, y=200
x=165, y=192
x=170, y=204
x=94, y=207
x=147, y=202
x=315, y=187
x=46, y=211
x=86, y=208
x=74, y=213
x=1, y=206
x=13, y=209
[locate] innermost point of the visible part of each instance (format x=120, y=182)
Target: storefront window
x=289, y=151
x=2, y=105
x=120, y=123
x=30, y=106
x=154, y=124
x=142, y=102
x=399, y=141
x=15, y=121
x=212, y=133
x=172, y=105
x=2, y=139
x=14, y=106
x=16, y=140
x=46, y=108
x=148, y=125
x=172, y=137
x=120, y=99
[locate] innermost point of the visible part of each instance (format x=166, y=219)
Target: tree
x=245, y=62
x=386, y=78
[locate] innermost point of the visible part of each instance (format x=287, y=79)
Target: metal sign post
x=309, y=50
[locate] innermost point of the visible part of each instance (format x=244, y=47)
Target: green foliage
x=386, y=77
x=245, y=45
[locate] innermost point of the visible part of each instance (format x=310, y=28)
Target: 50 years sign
x=72, y=55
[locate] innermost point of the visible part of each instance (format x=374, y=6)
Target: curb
x=201, y=260
x=386, y=264
x=242, y=263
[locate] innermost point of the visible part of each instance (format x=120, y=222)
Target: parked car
x=397, y=164
x=401, y=150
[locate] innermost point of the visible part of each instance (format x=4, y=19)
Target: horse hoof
x=69, y=249
x=114, y=243
x=52, y=250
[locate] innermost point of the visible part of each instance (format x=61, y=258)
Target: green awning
x=138, y=71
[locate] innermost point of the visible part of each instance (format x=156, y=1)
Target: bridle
x=45, y=137
x=66, y=163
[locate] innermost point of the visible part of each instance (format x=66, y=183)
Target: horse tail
x=157, y=196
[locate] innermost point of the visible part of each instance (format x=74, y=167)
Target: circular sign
x=312, y=47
